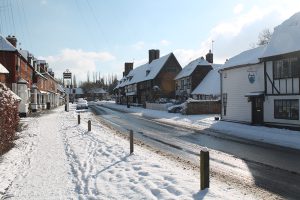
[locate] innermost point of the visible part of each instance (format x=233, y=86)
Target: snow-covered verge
x=13, y=162
x=55, y=158
x=276, y=136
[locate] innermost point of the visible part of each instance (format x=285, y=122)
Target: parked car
x=81, y=104
x=176, y=108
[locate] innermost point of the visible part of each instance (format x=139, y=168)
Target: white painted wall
x=269, y=110
x=237, y=85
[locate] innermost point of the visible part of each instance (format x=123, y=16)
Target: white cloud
x=79, y=62
x=165, y=42
x=43, y=2
x=139, y=45
x=234, y=36
x=238, y=8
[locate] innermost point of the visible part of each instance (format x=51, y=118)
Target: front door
x=257, y=110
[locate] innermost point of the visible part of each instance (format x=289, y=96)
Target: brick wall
x=203, y=107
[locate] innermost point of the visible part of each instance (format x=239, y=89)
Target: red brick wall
x=203, y=107
x=8, y=60
x=41, y=83
x=50, y=84
x=25, y=71
x=11, y=60
x=2, y=78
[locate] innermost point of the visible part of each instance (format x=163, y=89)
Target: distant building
x=190, y=77
x=209, y=87
x=150, y=81
x=97, y=94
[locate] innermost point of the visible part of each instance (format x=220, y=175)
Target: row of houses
x=163, y=77
x=28, y=77
x=257, y=86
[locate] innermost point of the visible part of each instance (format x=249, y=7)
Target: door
x=257, y=110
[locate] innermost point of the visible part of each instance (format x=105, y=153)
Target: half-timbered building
x=262, y=85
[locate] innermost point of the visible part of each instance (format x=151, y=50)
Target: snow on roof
x=121, y=83
x=6, y=45
x=247, y=57
x=60, y=88
x=41, y=62
x=3, y=70
x=24, y=53
x=144, y=72
x=14, y=95
x=210, y=85
x=188, y=69
x=97, y=91
x=39, y=74
x=286, y=37
x=22, y=81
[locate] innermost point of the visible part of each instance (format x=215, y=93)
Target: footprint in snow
x=144, y=173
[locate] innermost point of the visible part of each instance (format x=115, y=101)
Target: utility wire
x=27, y=32
x=97, y=22
x=12, y=18
x=85, y=24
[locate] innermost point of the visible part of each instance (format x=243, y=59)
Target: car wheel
x=177, y=110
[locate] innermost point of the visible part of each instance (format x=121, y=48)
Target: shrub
x=9, y=118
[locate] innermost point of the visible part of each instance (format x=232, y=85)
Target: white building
x=262, y=85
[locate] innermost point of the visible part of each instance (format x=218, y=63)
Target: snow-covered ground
x=55, y=158
x=276, y=136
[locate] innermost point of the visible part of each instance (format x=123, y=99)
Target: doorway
x=258, y=110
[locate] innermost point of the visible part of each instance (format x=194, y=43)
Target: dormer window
x=147, y=72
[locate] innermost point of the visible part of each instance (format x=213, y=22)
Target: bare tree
x=74, y=81
x=88, y=76
x=264, y=37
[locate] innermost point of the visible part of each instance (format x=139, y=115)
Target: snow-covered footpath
x=55, y=158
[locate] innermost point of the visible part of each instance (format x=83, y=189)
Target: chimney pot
x=153, y=54
x=128, y=67
x=210, y=57
x=12, y=40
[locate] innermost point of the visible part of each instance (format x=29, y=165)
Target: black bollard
x=131, y=141
x=89, y=125
x=204, y=169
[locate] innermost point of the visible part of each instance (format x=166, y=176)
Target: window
x=188, y=82
x=286, y=109
x=224, y=96
x=286, y=68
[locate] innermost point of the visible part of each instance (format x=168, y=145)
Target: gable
x=190, y=68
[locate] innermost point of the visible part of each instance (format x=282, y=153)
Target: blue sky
x=99, y=36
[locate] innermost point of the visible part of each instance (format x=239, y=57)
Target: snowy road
x=255, y=165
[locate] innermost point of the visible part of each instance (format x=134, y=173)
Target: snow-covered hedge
x=9, y=118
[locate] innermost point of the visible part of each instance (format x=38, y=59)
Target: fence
x=203, y=107
x=158, y=106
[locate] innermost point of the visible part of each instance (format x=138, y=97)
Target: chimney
x=12, y=40
x=210, y=57
x=153, y=55
x=128, y=68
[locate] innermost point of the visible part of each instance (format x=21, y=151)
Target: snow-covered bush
x=9, y=118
